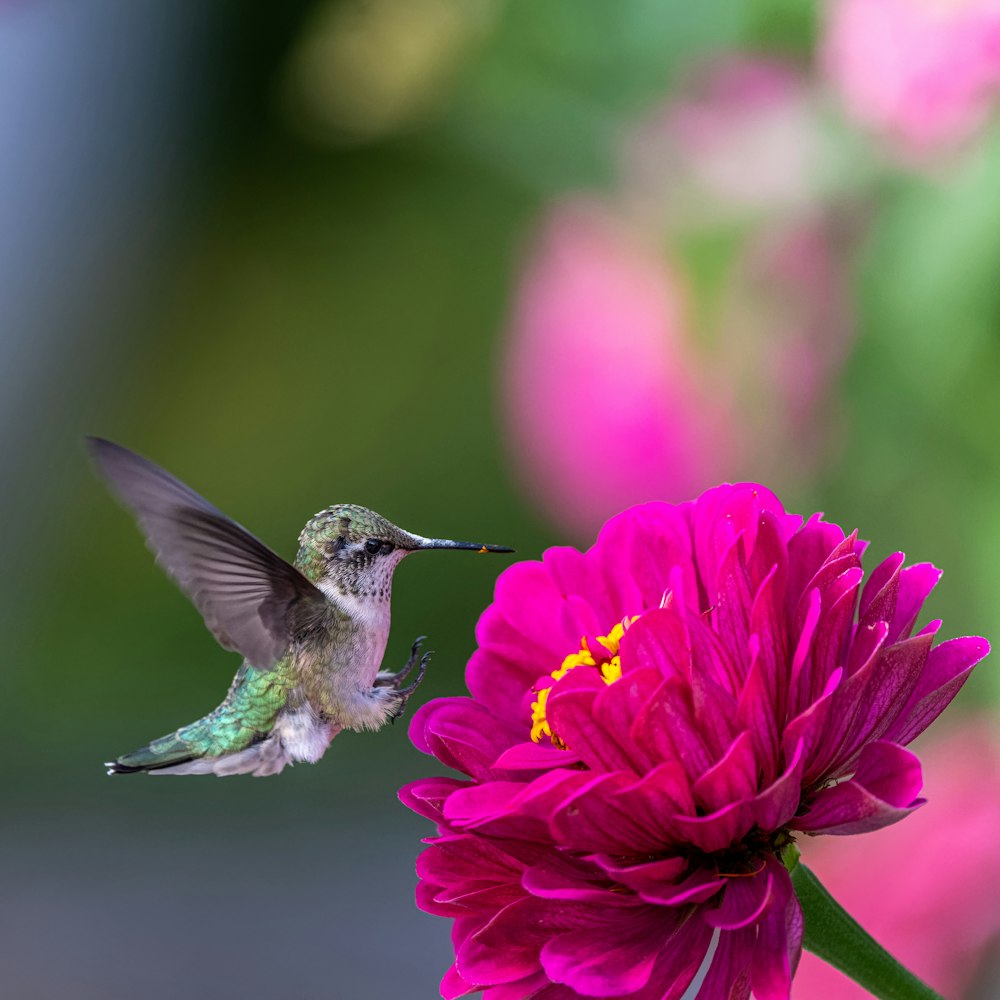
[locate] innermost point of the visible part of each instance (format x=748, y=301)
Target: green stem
x=837, y=938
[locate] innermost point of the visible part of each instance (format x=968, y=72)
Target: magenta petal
x=717, y=830
x=502, y=683
x=612, y=957
x=508, y=947
x=779, y=802
x=757, y=714
x=638, y=548
x=514, y=809
x=547, y=882
x=667, y=728
x=743, y=902
x=658, y=641
x=731, y=615
x=532, y=603
x=883, y=790
x=809, y=728
x=454, y=986
x=729, y=973
x=426, y=796
x=835, y=626
x=800, y=692
x=460, y=859
x=616, y=708
x=535, y=986
x=462, y=734
x=915, y=585
x=577, y=573
x=779, y=939
x=878, y=600
x=948, y=667
x=570, y=711
x=808, y=549
x=608, y=815
x=733, y=779
x=867, y=703
x=534, y=757
x=661, y=881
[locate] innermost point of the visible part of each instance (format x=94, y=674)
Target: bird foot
x=388, y=679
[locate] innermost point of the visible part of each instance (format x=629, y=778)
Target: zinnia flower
x=652, y=722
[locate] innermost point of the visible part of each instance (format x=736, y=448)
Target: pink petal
x=657, y=641
x=600, y=819
x=882, y=791
x=454, y=986
x=866, y=704
x=808, y=549
x=462, y=734
x=426, y=796
x=757, y=715
x=614, y=956
x=779, y=939
x=532, y=603
x=947, y=669
x=915, y=585
x=728, y=976
x=531, y=756
x=717, y=830
x=732, y=779
x=743, y=903
x=878, y=600
x=570, y=711
x=507, y=948
x=779, y=801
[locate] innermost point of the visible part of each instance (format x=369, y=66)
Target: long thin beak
x=446, y=543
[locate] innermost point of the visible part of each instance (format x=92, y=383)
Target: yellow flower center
x=607, y=662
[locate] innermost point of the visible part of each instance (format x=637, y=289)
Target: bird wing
x=251, y=599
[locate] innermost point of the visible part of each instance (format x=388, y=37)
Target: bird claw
x=416, y=662
x=387, y=678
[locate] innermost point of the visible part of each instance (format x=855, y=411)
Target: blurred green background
x=273, y=247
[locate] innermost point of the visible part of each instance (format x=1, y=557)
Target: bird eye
x=373, y=545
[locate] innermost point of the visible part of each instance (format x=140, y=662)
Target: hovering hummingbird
x=312, y=634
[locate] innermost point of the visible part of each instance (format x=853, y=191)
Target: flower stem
x=837, y=938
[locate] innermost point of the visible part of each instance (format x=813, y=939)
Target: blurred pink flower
x=632, y=369
x=742, y=136
x=607, y=401
x=942, y=919
x=924, y=72
x=651, y=722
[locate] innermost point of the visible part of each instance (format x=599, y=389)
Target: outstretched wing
x=251, y=599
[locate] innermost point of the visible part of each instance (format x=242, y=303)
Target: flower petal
x=883, y=790
x=948, y=668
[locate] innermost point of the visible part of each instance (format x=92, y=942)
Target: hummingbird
x=312, y=633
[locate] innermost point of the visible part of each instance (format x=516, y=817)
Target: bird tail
x=234, y=738
x=167, y=752
x=257, y=753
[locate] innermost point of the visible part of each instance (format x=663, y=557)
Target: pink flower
x=943, y=918
x=707, y=682
x=600, y=363
x=742, y=137
x=617, y=339
x=924, y=72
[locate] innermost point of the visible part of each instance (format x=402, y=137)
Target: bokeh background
x=496, y=268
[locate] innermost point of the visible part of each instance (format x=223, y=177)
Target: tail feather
x=167, y=751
